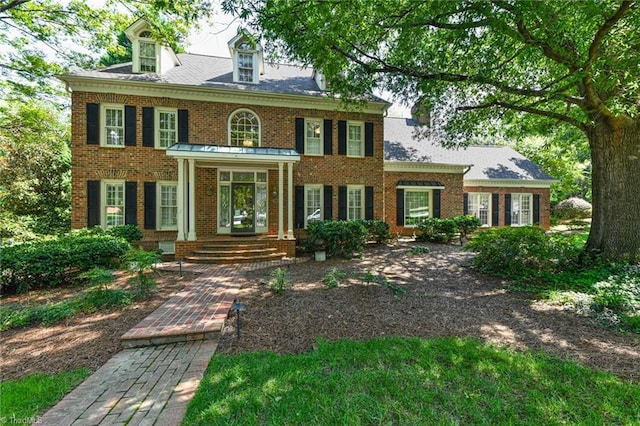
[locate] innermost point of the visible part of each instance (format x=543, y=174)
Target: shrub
x=53, y=262
x=333, y=277
x=279, y=282
x=378, y=230
x=437, y=230
x=573, y=208
x=139, y=263
x=339, y=238
x=130, y=233
x=467, y=225
x=521, y=252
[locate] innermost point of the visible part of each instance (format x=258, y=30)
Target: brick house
x=194, y=148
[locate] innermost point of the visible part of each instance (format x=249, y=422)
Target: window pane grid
x=313, y=145
x=167, y=126
x=354, y=204
x=416, y=207
x=245, y=67
x=313, y=207
x=245, y=129
x=354, y=141
x=168, y=205
x=521, y=209
x=114, y=204
x=478, y=206
x=147, y=57
x=114, y=124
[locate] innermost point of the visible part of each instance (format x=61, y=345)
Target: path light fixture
x=237, y=306
x=180, y=262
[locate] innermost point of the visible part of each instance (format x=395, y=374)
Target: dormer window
x=149, y=55
x=247, y=59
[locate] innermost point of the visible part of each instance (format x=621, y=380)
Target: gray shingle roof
x=217, y=72
x=403, y=142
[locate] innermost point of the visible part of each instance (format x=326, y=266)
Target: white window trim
x=361, y=125
x=103, y=201
x=156, y=121
x=362, y=201
x=417, y=189
x=529, y=216
x=159, y=186
x=103, y=124
x=320, y=121
x=489, y=209
x=233, y=113
x=321, y=189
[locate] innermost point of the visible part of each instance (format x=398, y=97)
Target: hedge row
x=345, y=238
x=53, y=262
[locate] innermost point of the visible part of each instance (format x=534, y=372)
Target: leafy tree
x=569, y=64
x=43, y=38
x=35, y=164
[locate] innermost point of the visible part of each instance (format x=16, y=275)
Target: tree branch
x=528, y=109
x=594, y=49
x=11, y=4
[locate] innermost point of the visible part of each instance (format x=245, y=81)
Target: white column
x=192, y=200
x=289, y=200
x=280, y=200
x=180, y=194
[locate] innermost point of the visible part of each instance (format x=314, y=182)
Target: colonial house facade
x=194, y=148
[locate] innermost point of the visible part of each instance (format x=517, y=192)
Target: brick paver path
x=152, y=385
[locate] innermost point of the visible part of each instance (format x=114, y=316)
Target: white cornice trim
x=211, y=94
x=402, y=166
x=509, y=183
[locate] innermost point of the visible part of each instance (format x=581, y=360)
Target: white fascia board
x=416, y=167
x=211, y=94
x=227, y=157
x=509, y=183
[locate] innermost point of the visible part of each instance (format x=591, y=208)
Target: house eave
x=417, y=167
x=510, y=183
x=211, y=94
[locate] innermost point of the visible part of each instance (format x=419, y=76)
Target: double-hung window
x=147, y=56
x=168, y=205
x=355, y=139
x=417, y=206
x=355, y=202
x=167, y=127
x=113, y=203
x=312, y=203
x=113, y=130
x=245, y=67
x=313, y=137
x=521, y=209
x=479, y=205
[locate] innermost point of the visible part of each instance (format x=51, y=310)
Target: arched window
x=244, y=129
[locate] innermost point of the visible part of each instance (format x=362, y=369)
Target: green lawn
x=27, y=398
x=408, y=381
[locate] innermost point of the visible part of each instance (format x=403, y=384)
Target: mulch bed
x=85, y=340
x=442, y=298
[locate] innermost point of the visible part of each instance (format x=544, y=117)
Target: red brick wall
x=208, y=122
x=545, y=208
x=450, y=196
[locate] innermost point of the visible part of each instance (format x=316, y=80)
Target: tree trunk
x=615, y=157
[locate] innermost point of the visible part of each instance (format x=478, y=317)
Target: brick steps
x=230, y=250
x=235, y=257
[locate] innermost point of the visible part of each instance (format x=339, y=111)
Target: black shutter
x=328, y=202
x=328, y=137
x=130, y=125
x=183, y=126
x=368, y=202
x=536, y=209
x=342, y=202
x=465, y=203
x=400, y=207
x=495, y=209
x=300, y=135
x=93, y=203
x=130, y=203
x=147, y=127
x=507, y=209
x=299, y=206
x=342, y=137
x=368, y=139
x=93, y=124
x=149, y=205
x=436, y=202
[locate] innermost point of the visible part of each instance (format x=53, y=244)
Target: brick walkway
x=152, y=385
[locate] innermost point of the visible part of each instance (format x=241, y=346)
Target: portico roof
x=234, y=154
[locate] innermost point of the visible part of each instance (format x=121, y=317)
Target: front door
x=243, y=207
